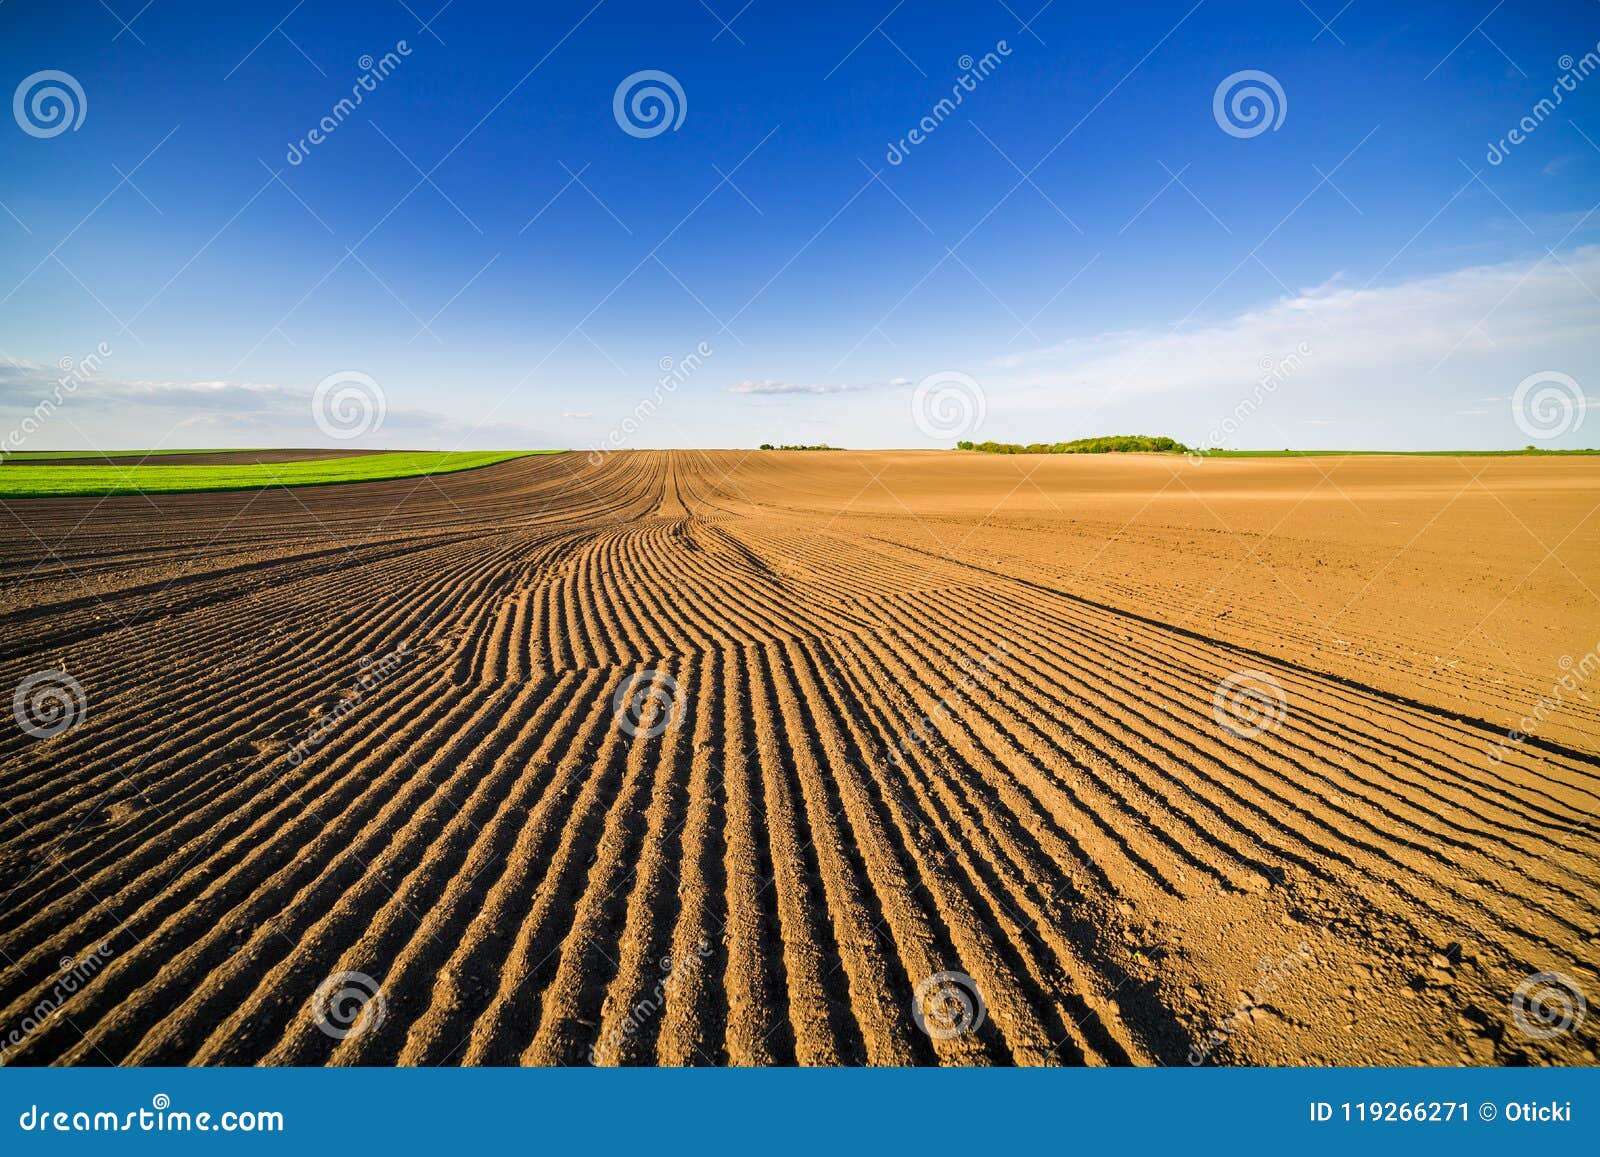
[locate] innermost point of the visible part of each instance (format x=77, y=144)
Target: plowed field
x=775, y=758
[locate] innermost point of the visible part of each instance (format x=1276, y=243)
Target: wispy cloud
x=1411, y=363
x=100, y=412
x=768, y=386
x=578, y=415
x=1442, y=325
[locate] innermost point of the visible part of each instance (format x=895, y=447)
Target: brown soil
x=934, y=713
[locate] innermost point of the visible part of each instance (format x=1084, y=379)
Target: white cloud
x=1400, y=354
x=578, y=415
x=1452, y=318
x=768, y=387
x=102, y=412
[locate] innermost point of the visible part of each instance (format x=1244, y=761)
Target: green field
x=73, y=481
x=1528, y=452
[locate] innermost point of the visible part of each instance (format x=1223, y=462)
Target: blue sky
x=1081, y=238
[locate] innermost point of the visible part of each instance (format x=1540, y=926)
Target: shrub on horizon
x=1109, y=444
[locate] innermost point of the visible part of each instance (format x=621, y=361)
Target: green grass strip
x=74, y=481
x=1525, y=453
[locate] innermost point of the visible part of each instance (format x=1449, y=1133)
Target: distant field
x=55, y=455
x=61, y=481
x=180, y=457
x=1396, y=453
